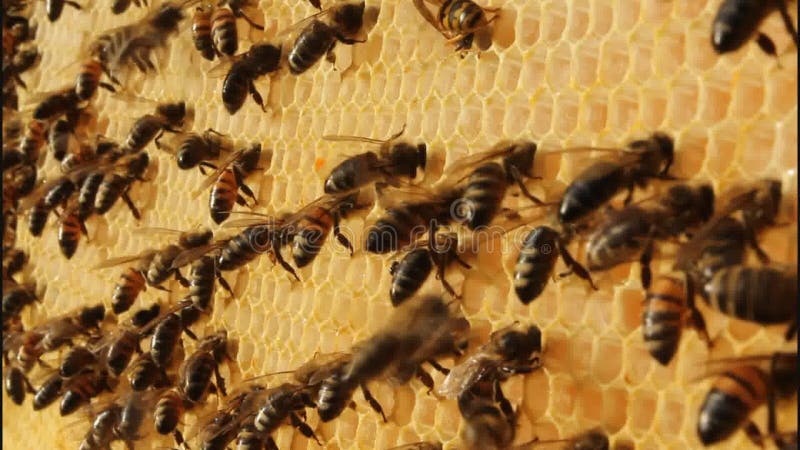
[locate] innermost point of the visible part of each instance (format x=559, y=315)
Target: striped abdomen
x=201, y=33
x=663, y=318
x=733, y=396
x=109, y=192
x=197, y=376
x=88, y=79
x=484, y=193
x=591, y=189
x=131, y=284
x=461, y=16
x=201, y=279
x=409, y=275
x=88, y=194
x=351, y=173
x=736, y=22
x=121, y=351
x=160, y=267
x=311, y=235
x=760, y=294
x=169, y=411
x=333, y=397
x=486, y=425
x=394, y=229
x=37, y=217
x=142, y=132
x=143, y=372
x=620, y=241
x=165, y=339
x=34, y=139
x=76, y=360
x=14, y=384
x=223, y=196
x=48, y=392
x=245, y=247
x=223, y=31
x=69, y=234
x=315, y=40
x=535, y=263
x=80, y=391
x=58, y=193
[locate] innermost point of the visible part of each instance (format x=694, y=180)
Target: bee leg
x=107, y=86
x=28, y=386
x=500, y=398
x=575, y=266
x=257, y=96
x=179, y=438
x=646, y=274
x=346, y=40
x=331, y=57
x=75, y=5
x=629, y=194
x=461, y=261
x=341, y=237
x=276, y=250
x=440, y=276
x=754, y=434
x=161, y=288
x=425, y=378
x=695, y=316
x=189, y=333
x=19, y=81
x=303, y=427
x=788, y=23
x=753, y=242
x=791, y=332
x=372, y=402
x=251, y=22
x=181, y=279
x=438, y=367
x=224, y=283
x=248, y=192
x=127, y=199
x=518, y=179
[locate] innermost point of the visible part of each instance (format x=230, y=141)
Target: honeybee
x=133, y=45
x=169, y=117
x=70, y=229
x=621, y=234
x=460, y=22
x=395, y=159
x=48, y=392
x=117, y=183
x=282, y=403
x=16, y=297
x=196, y=150
x=409, y=273
x=236, y=418
x=81, y=388
x=641, y=161
x=144, y=373
x=322, y=378
x=168, y=413
x=537, y=259
x=166, y=337
x=737, y=21
x=78, y=359
x=316, y=38
x=196, y=371
x=668, y=308
x=223, y=31
x=203, y=273
x=487, y=425
x=57, y=103
x=510, y=350
x=21, y=62
x=242, y=71
x=228, y=180
x=54, y=8
x=101, y=431
x=16, y=384
x=201, y=31
x=742, y=385
x=88, y=79
x=33, y=140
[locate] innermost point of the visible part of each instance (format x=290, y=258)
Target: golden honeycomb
x=563, y=73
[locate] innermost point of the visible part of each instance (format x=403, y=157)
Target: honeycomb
x=563, y=73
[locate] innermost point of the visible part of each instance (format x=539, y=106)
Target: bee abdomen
x=75, y=360
x=244, y=248
x=720, y=416
x=168, y=412
x=223, y=31
x=58, y=194
x=88, y=194
x=410, y=274
x=199, y=377
x=484, y=193
x=47, y=392
x=223, y=196
x=161, y=266
x=350, y=174
x=535, y=263
x=165, y=338
x=69, y=234
x=201, y=33
x=125, y=293
x=391, y=231
x=310, y=46
x=15, y=385
x=37, y=218
x=142, y=132
x=109, y=191
x=589, y=191
x=461, y=15
x=143, y=373
x=307, y=244
x=88, y=80
x=333, y=398
x=762, y=294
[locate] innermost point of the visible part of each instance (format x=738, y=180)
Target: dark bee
x=196, y=371
x=410, y=273
x=77, y=359
x=33, y=140
x=764, y=294
x=641, y=161
x=322, y=378
x=537, y=259
x=744, y=384
x=236, y=421
x=82, y=388
x=168, y=413
x=224, y=32
x=144, y=373
x=56, y=104
x=16, y=383
x=14, y=261
x=317, y=38
x=87, y=195
x=16, y=297
x=623, y=234
x=487, y=424
x=165, y=339
x=510, y=350
x=101, y=433
x=203, y=274
x=460, y=22
x=201, y=31
x=55, y=7
x=395, y=159
x=259, y=60
x=21, y=62
x=168, y=117
x=120, y=6
x=667, y=306
x=48, y=391
x=62, y=139
x=70, y=229
x=228, y=180
x=88, y=79
x=143, y=316
x=196, y=150
x=116, y=184
x=737, y=21
x=134, y=410
x=282, y=403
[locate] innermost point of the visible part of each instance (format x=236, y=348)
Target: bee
x=317, y=38
x=77, y=359
x=133, y=45
x=236, y=420
x=196, y=150
x=48, y=392
x=486, y=424
x=165, y=339
x=168, y=412
x=242, y=72
x=16, y=297
x=116, y=184
x=62, y=140
x=223, y=31
x=460, y=22
x=667, y=309
x=82, y=388
x=134, y=410
x=409, y=273
x=120, y=6
x=764, y=294
x=16, y=383
x=420, y=446
x=22, y=179
x=325, y=370
x=34, y=139
x=168, y=117
x=624, y=233
x=56, y=7
x=87, y=194
x=102, y=431
x=132, y=282
x=203, y=274
x=57, y=103
x=21, y=62
x=14, y=261
x=70, y=229
x=737, y=21
x=537, y=259
x=641, y=161
x=88, y=79
x=742, y=385
x=395, y=159
x=197, y=369
x=594, y=439
x=143, y=316
x=510, y=350
x=228, y=179
x=144, y=373
x=281, y=404
x=201, y=31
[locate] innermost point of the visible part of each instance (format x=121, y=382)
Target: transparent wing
x=187, y=256
x=210, y=179
x=465, y=375
x=123, y=260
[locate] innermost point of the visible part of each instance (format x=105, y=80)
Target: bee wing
x=123, y=260
x=157, y=230
x=463, y=376
x=164, y=314
x=189, y=255
x=458, y=169
x=716, y=367
x=391, y=196
x=298, y=26
x=210, y=179
x=221, y=69
x=315, y=371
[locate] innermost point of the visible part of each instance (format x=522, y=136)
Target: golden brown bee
x=34, y=139
x=202, y=276
x=168, y=412
x=228, y=179
x=737, y=21
x=78, y=359
x=168, y=117
x=16, y=384
x=196, y=371
x=57, y=103
x=510, y=350
x=21, y=62
x=56, y=7
x=742, y=385
x=117, y=183
x=668, y=308
x=88, y=79
x=165, y=339
x=102, y=430
x=623, y=234
x=70, y=229
x=144, y=373
x=395, y=159
x=224, y=32
x=641, y=161
x=82, y=388
x=242, y=72
x=317, y=38
x=196, y=150
x=460, y=22
x=132, y=283
x=487, y=424
x=201, y=31
x=410, y=273
x=236, y=419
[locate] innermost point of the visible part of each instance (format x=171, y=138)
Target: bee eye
x=185, y=160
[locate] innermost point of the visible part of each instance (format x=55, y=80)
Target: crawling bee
x=201, y=31
x=78, y=359
x=537, y=259
x=20, y=63
x=33, y=140
x=54, y=8
x=316, y=38
x=487, y=425
x=168, y=117
x=596, y=185
x=144, y=373
x=282, y=403
x=228, y=180
x=624, y=233
x=48, y=391
x=322, y=378
x=737, y=21
x=223, y=31
x=460, y=22
x=143, y=316
x=395, y=159
x=88, y=79
x=101, y=431
x=16, y=297
x=196, y=150
x=117, y=183
x=16, y=384
x=239, y=6
x=80, y=389
x=166, y=337
x=742, y=385
x=14, y=260
x=242, y=72
x=236, y=421
x=57, y=103
x=70, y=229
x=196, y=371
x=510, y=350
